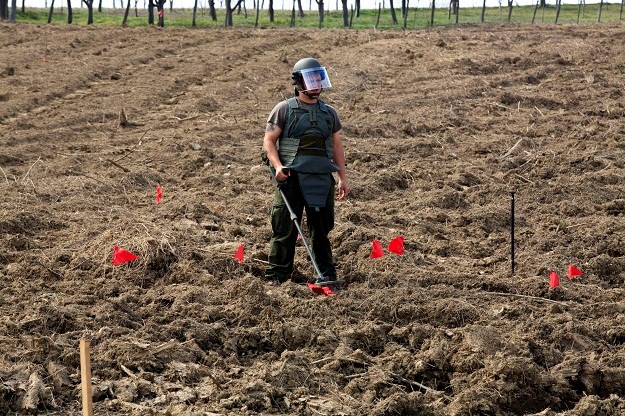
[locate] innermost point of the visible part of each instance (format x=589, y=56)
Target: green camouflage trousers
x=284, y=232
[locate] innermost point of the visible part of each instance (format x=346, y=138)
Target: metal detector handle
x=272, y=170
x=287, y=172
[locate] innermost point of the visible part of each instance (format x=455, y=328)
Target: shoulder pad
x=293, y=102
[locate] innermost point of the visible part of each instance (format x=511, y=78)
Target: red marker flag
x=160, y=13
x=239, y=256
x=121, y=256
x=320, y=290
x=376, y=250
x=574, y=271
x=159, y=194
x=396, y=245
x=554, y=280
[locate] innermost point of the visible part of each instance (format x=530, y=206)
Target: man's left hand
x=343, y=190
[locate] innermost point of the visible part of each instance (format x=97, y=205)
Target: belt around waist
x=311, y=151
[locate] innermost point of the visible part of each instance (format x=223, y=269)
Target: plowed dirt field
x=440, y=128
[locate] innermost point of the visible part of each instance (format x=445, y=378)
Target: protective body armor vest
x=305, y=144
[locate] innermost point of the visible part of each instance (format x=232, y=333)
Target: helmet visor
x=316, y=78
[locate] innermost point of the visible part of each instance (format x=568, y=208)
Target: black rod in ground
x=512, y=231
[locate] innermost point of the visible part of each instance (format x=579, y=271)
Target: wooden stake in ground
x=512, y=232
x=85, y=376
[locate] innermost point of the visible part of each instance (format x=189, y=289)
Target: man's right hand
x=282, y=173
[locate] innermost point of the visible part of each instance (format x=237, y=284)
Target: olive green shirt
x=280, y=112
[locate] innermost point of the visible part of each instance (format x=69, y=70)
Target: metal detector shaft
x=296, y=222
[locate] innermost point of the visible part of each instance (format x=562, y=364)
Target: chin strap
x=309, y=95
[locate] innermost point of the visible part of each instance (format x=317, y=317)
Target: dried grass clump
x=155, y=249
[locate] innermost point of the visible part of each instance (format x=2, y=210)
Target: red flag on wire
x=159, y=194
x=554, y=280
x=396, y=245
x=239, y=256
x=376, y=250
x=121, y=256
x=574, y=271
x=320, y=290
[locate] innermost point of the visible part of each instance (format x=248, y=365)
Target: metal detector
x=321, y=279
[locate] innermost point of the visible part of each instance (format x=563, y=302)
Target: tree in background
x=51, y=9
x=160, y=11
x=345, y=13
x=229, y=9
x=211, y=8
x=4, y=9
x=454, y=5
x=433, y=11
x=70, y=12
x=150, y=12
x=241, y=6
x=194, y=13
x=125, y=21
x=5, y=12
x=393, y=15
x=321, y=12
x=89, y=4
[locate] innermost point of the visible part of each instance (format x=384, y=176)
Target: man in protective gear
x=303, y=144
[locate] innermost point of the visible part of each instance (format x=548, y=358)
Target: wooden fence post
x=599, y=12
x=85, y=376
